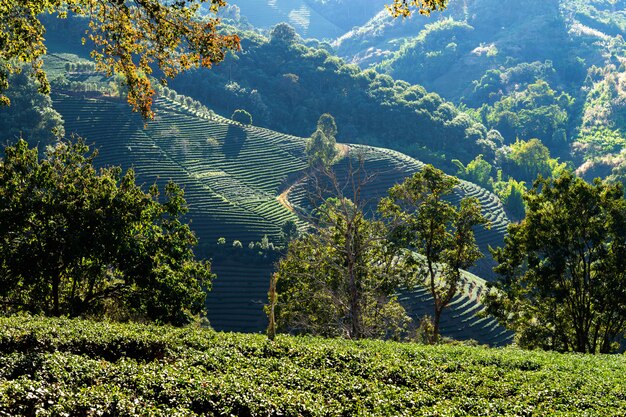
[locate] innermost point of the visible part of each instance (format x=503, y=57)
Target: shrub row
x=59, y=367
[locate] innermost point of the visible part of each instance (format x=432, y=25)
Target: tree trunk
x=436, y=320
x=271, y=328
x=56, y=283
x=355, y=310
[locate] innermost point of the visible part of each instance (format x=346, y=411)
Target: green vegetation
x=241, y=116
x=286, y=85
x=321, y=148
x=441, y=233
x=461, y=319
x=563, y=267
x=126, y=39
x=536, y=112
x=81, y=242
x=557, y=77
x=31, y=114
x=354, y=241
x=511, y=193
x=51, y=367
x=341, y=279
x=526, y=160
x=211, y=158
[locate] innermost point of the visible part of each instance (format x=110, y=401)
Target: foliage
x=406, y=7
x=77, y=241
x=440, y=233
x=525, y=160
x=31, y=115
x=291, y=88
x=327, y=125
x=431, y=53
x=477, y=171
x=127, y=38
x=288, y=232
x=242, y=117
x=563, y=280
x=71, y=367
x=283, y=34
x=340, y=279
x=598, y=142
x=321, y=148
x=511, y=194
x=536, y=111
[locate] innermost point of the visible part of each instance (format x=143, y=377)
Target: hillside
x=299, y=14
x=490, y=55
x=53, y=367
x=448, y=55
x=321, y=19
x=233, y=175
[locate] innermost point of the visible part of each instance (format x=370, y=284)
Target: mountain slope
x=233, y=176
x=321, y=19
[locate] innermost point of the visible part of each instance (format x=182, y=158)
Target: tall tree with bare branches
x=340, y=279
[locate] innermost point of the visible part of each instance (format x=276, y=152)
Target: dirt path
x=283, y=198
x=343, y=150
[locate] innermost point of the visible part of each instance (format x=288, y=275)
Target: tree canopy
x=563, y=278
x=321, y=148
x=128, y=38
x=406, y=7
x=440, y=233
x=77, y=241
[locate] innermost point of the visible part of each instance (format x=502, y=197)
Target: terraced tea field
x=298, y=13
x=231, y=173
x=391, y=167
x=233, y=176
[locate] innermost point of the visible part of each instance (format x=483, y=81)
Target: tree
x=77, y=241
x=477, y=171
x=288, y=232
x=563, y=268
x=525, y=160
x=128, y=38
x=406, y=7
x=242, y=117
x=284, y=34
x=511, y=194
x=439, y=233
x=31, y=115
x=321, y=148
x=340, y=279
x=326, y=124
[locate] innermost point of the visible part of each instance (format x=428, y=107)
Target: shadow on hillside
x=235, y=138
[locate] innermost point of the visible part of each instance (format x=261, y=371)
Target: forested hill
x=286, y=86
x=551, y=70
x=321, y=19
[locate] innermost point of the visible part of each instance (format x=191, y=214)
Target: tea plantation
x=60, y=367
x=243, y=182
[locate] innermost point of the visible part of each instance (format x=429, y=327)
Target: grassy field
x=59, y=367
